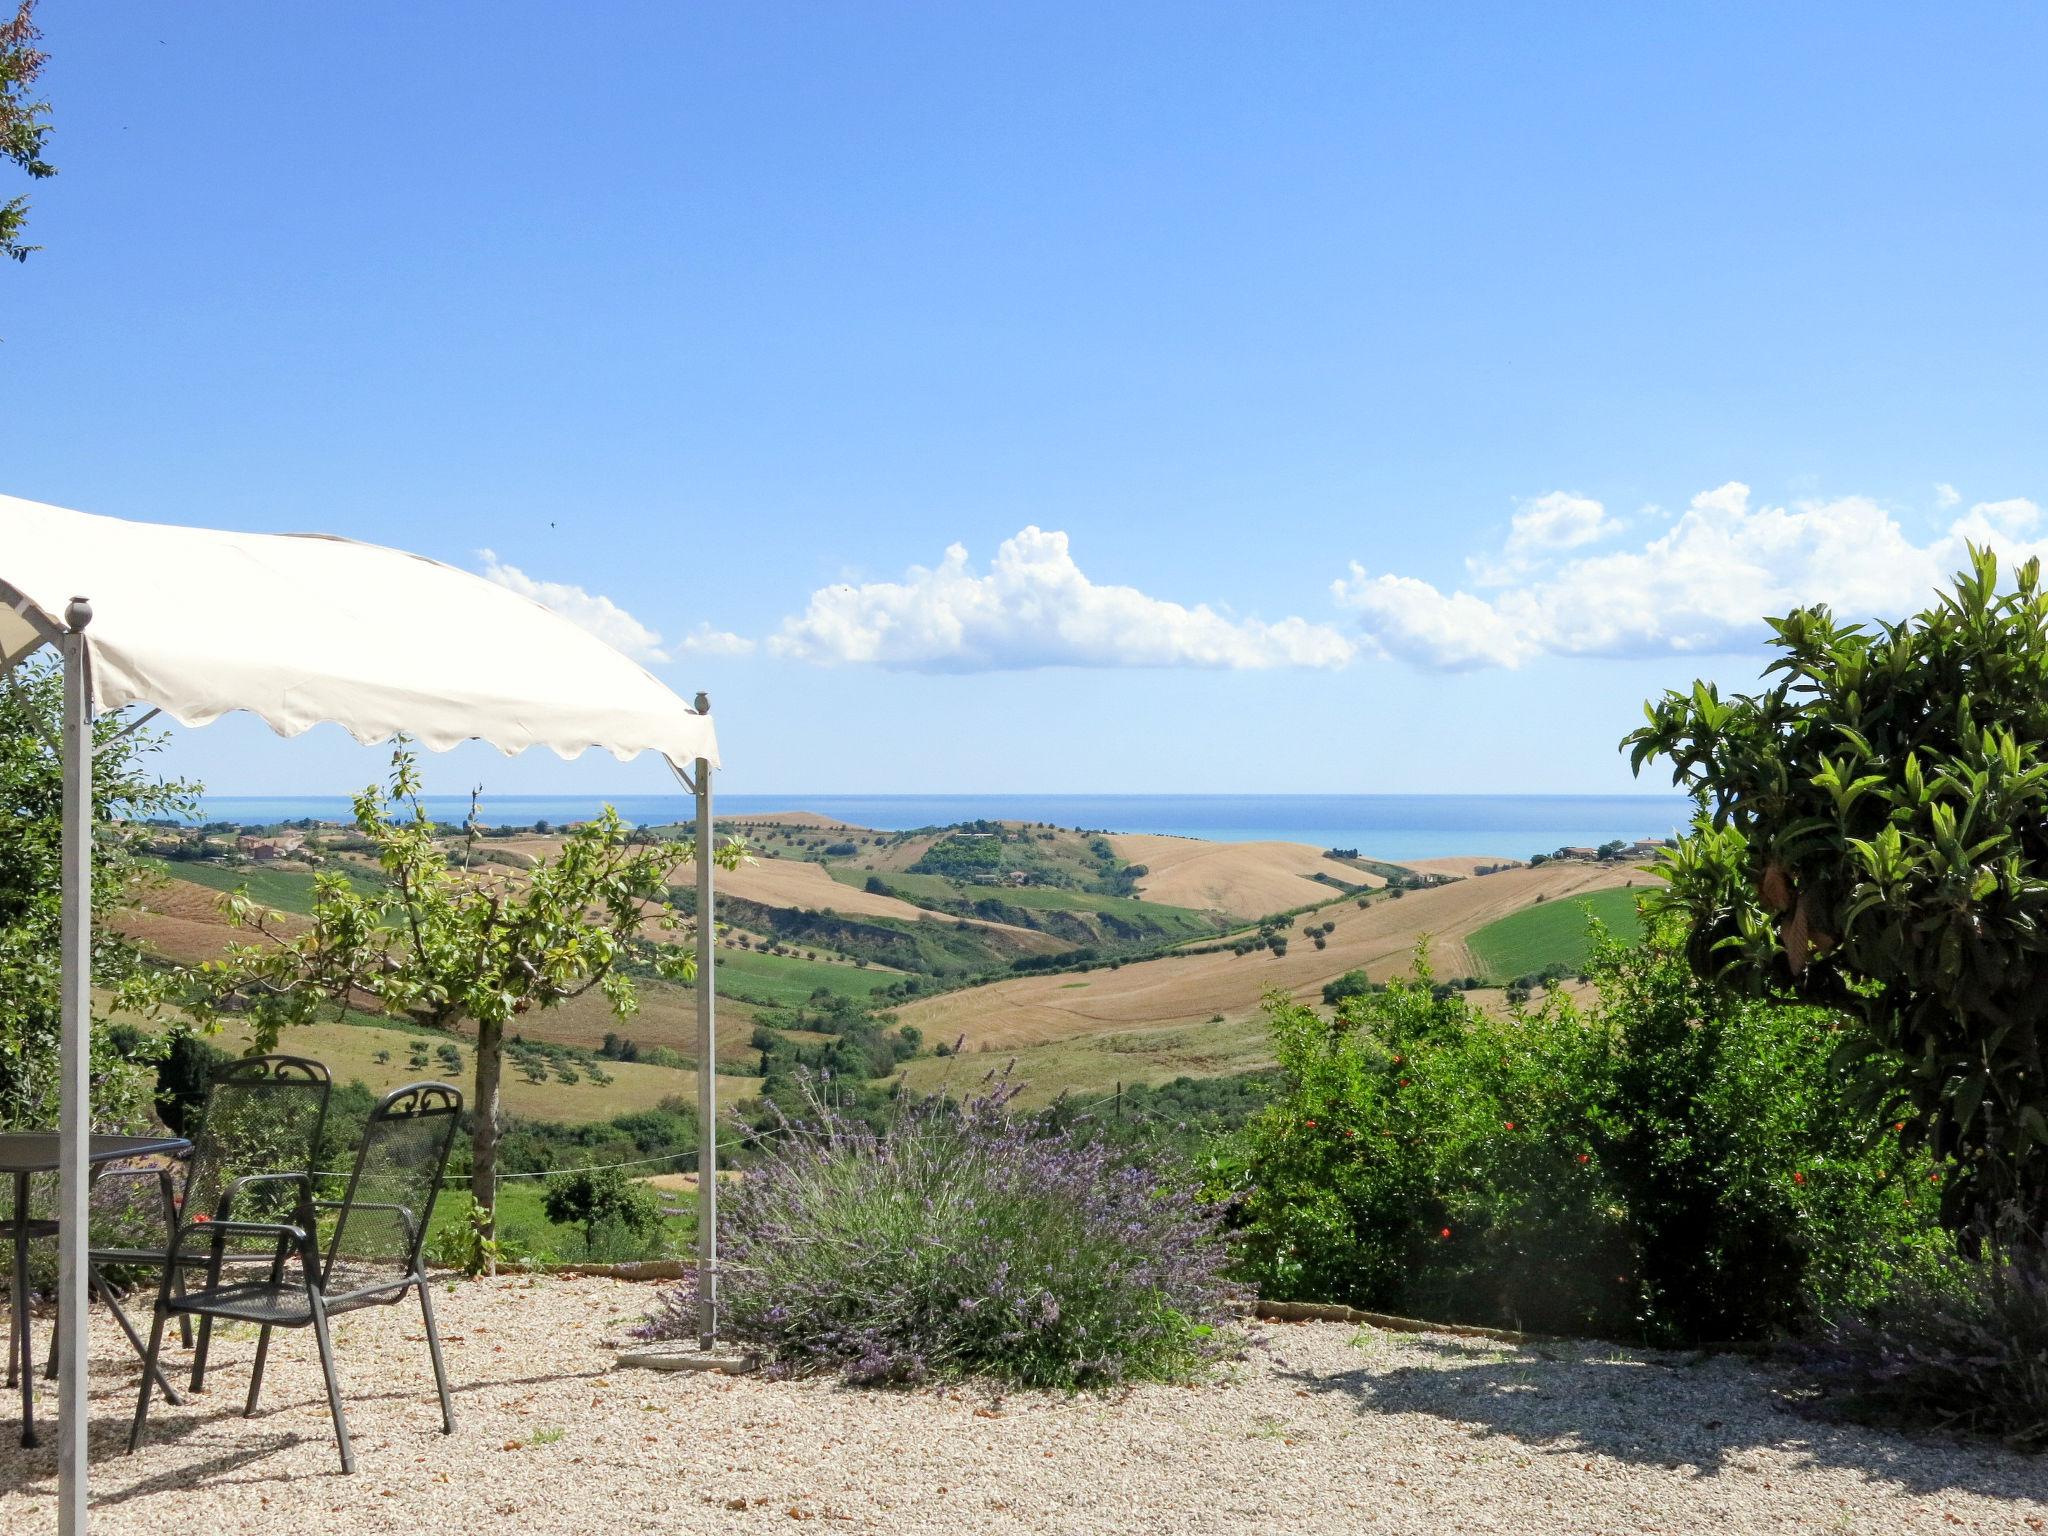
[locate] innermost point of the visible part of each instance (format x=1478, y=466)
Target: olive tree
x=1872, y=834
x=447, y=941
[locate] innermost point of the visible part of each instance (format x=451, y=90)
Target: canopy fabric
x=304, y=628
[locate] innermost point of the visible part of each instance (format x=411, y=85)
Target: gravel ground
x=1321, y=1428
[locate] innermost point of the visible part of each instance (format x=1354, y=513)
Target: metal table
x=28, y=1152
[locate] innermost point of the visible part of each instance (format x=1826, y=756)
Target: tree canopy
x=24, y=119
x=125, y=792
x=1872, y=834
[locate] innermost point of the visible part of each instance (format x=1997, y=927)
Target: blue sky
x=1397, y=397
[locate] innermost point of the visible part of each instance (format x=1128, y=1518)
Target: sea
x=1395, y=827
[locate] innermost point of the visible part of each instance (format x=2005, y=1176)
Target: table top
x=36, y=1151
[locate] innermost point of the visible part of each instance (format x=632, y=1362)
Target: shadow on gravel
x=1682, y=1412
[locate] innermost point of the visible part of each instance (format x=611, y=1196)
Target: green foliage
x=470, y=1241
x=24, y=120
x=31, y=836
x=1671, y=1164
x=1553, y=934
x=597, y=1198
x=1873, y=835
x=445, y=942
x=960, y=855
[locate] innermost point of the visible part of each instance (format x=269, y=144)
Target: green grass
x=523, y=1221
x=1550, y=933
x=781, y=981
x=284, y=890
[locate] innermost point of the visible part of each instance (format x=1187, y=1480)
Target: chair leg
x=348, y=1454
x=199, y=1354
x=106, y=1294
x=256, y=1374
x=149, y=1374
x=434, y=1349
x=184, y=1318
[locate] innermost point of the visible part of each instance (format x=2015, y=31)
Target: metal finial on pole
x=702, y=704
x=74, y=1114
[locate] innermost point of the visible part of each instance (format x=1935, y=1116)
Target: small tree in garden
x=448, y=942
x=1872, y=834
x=596, y=1198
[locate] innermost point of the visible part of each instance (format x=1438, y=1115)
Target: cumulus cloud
x=1946, y=495
x=1557, y=521
x=706, y=641
x=590, y=610
x=1034, y=607
x=1701, y=586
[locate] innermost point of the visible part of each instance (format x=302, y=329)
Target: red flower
x=1934, y=1178
x=1445, y=1233
x=1310, y=1124
x=1798, y=1178
x=1404, y=1082
x=201, y=1218
x=1508, y=1124
x=1585, y=1157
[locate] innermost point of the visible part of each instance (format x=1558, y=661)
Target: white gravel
x=1322, y=1428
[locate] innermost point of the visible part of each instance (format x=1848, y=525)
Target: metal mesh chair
x=263, y=1115
x=371, y=1258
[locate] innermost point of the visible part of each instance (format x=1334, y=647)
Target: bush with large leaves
x=1872, y=835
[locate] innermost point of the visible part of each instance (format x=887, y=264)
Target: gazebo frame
x=76, y=749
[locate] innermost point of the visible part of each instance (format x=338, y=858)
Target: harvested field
x=1242, y=879
x=1321, y=1428
x=1192, y=988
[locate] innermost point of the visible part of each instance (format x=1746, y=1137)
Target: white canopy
x=301, y=628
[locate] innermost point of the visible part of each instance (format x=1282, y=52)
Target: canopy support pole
x=707, y=1062
x=75, y=1088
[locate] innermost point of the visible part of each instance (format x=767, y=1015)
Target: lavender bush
x=964, y=1240
x=1966, y=1349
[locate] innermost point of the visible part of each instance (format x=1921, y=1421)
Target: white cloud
x=1559, y=520
x=1034, y=607
x=706, y=641
x=590, y=610
x=1946, y=495
x=1703, y=585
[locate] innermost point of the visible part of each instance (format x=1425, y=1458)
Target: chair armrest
x=220, y=1229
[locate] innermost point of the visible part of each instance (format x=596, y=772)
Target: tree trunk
x=483, y=1183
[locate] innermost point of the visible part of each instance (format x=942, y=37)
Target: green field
x=1170, y=922
x=782, y=981
x=283, y=890
x=1551, y=933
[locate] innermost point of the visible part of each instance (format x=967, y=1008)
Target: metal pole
x=75, y=1089
x=707, y=1065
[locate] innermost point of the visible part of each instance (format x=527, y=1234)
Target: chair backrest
x=263, y=1114
x=390, y=1199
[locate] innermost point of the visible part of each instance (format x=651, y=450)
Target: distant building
x=264, y=849
x=1576, y=853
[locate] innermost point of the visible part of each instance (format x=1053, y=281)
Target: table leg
x=24, y=1334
